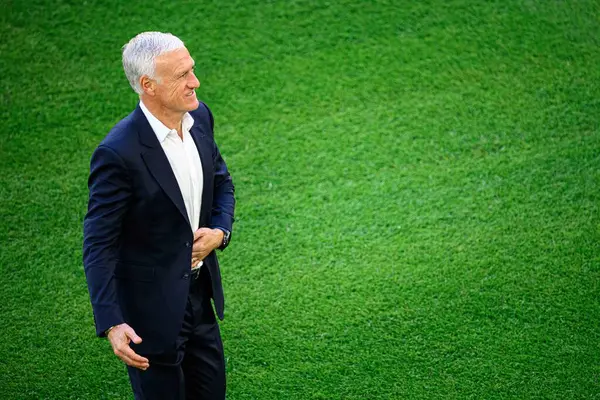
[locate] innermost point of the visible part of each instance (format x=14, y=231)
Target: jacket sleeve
x=109, y=194
x=223, y=204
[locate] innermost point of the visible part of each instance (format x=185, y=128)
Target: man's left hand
x=205, y=241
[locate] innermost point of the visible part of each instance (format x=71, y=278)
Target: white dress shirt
x=185, y=162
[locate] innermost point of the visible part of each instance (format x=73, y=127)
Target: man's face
x=176, y=82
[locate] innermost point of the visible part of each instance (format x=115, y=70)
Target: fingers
x=119, y=337
x=131, y=358
x=200, y=232
x=203, y=244
x=197, y=258
x=130, y=333
x=200, y=254
x=207, y=241
x=201, y=248
x=198, y=246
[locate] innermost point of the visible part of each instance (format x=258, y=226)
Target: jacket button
x=186, y=276
x=188, y=244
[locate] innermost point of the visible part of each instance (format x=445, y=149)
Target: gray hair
x=139, y=55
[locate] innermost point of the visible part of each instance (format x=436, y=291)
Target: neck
x=171, y=119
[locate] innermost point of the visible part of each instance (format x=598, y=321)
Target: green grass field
x=418, y=190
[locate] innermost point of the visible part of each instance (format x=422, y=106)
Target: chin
x=192, y=105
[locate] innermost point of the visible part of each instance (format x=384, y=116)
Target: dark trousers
x=195, y=368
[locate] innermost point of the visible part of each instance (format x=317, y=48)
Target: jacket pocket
x=135, y=272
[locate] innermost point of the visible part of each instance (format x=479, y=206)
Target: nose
x=193, y=83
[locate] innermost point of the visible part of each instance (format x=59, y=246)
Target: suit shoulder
x=122, y=136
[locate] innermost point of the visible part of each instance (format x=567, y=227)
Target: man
x=161, y=201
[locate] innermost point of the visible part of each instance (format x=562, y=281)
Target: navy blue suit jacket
x=137, y=246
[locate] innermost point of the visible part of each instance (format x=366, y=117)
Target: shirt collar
x=160, y=130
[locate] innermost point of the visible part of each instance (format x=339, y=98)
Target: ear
x=148, y=85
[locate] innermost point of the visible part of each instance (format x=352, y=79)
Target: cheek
x=179, y=90
x=173, y=90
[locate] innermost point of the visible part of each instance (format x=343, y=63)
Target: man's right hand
x=120, y=336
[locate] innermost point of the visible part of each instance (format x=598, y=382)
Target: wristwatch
x=226, y=236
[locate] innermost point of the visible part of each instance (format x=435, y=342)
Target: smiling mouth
x=193, y=92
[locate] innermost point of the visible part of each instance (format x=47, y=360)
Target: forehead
x=175, y=60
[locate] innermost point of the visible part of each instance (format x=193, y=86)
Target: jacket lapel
x=157, y=162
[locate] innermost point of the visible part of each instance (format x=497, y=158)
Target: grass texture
x=418, y=190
